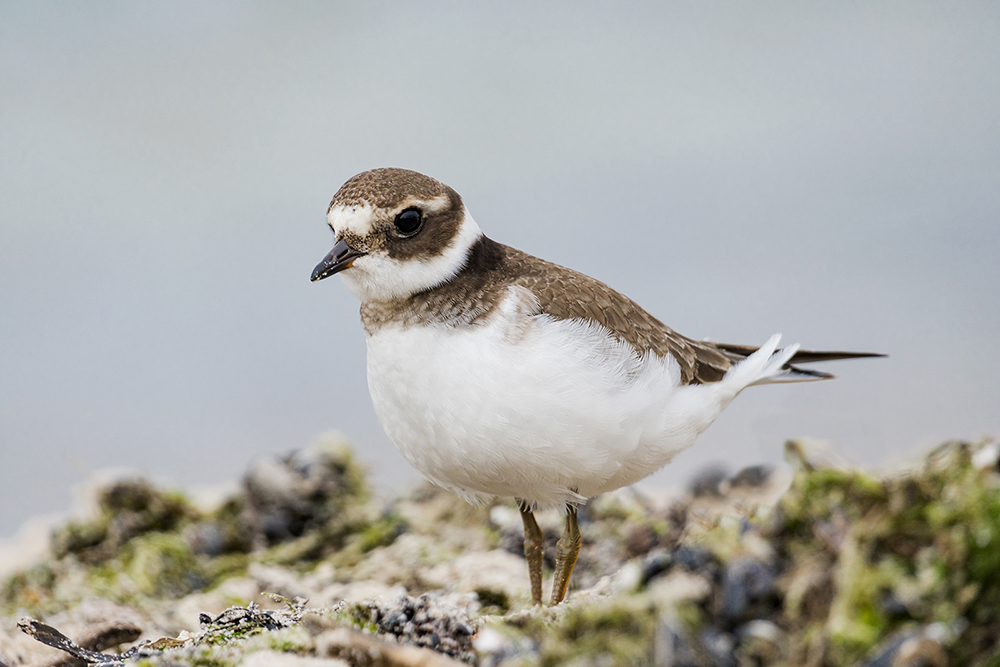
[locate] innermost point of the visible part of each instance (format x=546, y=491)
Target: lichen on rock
x=839, y=567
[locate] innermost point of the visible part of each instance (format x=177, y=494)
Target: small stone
x=639, y=539
x=987, y=456
x=760, y=640
x=909, y=648
x=719, y=645
x=425, y=621
x=892, y=605
x=751, y=477
x=395, y=622
x=695, y=559
x=745, y=581
x=629, y=578
x=655, y=563
x=672, y=647
x=708, y=482
x=488, y=641
x=759, y=629
x=206, y=539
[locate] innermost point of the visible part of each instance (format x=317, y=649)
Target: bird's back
x=561, y=293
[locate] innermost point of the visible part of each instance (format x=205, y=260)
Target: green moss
x=76, y=537
x=235, y=534
x=993, y=661
x=29, y=591
x=229, y=647
x=615, y=631
x=306, y=549
x=691, y=616
x=857, y=621
x=929, y=538
x=356, y=614
x=381, y=533
x=353, y=482
x=127, y=508
x=493, y=602
x=222, y=567
x=231, y=635
x=858, y=558
x=158, y=565
x=820, y=493
x=288, y=640
x=983, y=535
x=355, y=534
x=205, y=656
x=149, y=508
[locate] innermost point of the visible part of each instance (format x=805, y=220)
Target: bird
x=496, y=373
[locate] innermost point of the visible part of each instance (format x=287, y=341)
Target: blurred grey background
x=827, y=170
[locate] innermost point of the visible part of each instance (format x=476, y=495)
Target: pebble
x=655, y=563
x=751, y=477
x=425, y=621
x=745, y=581
x=695, y=559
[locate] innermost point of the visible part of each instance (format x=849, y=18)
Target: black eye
x=409, y=222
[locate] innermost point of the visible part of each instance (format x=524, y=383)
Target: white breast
x=550, y=411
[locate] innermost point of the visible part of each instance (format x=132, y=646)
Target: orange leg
x=534, y=540
x=567, y=551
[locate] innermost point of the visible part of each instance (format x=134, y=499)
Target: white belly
x=545, y=410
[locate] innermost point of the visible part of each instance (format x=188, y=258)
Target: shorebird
x=496, y=373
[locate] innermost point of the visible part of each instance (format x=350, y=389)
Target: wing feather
x=566, y=294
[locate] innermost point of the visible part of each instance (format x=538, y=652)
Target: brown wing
x=567, y=294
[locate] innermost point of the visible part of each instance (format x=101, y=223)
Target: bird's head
x=396, y=233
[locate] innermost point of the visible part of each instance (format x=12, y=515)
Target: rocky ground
x=302, y=566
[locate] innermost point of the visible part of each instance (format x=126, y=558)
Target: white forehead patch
x=356, y=218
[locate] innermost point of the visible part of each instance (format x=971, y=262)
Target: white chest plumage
x=551, y=411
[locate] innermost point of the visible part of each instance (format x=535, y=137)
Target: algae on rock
x=845, y=567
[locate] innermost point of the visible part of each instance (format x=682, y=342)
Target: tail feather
x=801, y=356
x=777, y=368
x=761, y=366
x=768, y=364
x=796, y=374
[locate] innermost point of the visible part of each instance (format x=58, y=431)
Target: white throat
x=378, y=277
